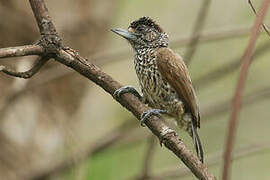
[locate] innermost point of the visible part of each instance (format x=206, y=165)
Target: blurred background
x=59, y=125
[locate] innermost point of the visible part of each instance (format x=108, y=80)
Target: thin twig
x=27, y=74
x=21, y=51
x=254, y=10
x=239, y=90
x=197, y=29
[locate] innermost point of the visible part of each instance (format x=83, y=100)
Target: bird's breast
x=157, y=91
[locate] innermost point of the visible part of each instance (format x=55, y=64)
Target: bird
x=163, y=77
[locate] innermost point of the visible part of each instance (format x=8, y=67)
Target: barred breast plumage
x=157, y=92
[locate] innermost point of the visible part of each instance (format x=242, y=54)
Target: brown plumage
x=163, y=76
x=174, y=71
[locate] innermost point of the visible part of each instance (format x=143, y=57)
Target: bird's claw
x=126, y=89
x=147, y=114
x=118, y=93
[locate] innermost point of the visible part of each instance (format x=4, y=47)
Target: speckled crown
x=147, y=21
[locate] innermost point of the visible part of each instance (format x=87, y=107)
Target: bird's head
x=144, y=33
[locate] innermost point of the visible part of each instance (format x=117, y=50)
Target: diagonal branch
x=27, y=74
x=239, y=90
x=21, y=51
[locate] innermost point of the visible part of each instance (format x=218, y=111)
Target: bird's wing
x=173, y=69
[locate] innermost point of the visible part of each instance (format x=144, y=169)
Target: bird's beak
x=124, y=33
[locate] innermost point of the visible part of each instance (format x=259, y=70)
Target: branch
x=21, y=51
x=239, y=90
x=197, y=29
x=27, y=74
x=254, y=10
x=43, y=19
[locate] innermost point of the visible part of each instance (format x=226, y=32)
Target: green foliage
x=116, y=163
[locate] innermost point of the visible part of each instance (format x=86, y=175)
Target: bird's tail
x=197, y=143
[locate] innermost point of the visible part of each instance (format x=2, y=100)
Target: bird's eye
x=140, y=28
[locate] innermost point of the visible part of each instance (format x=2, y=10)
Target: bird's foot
x=164, y=133
x=145, y=115
x=126, y=89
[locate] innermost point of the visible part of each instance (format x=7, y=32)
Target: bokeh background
x=59, y=125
